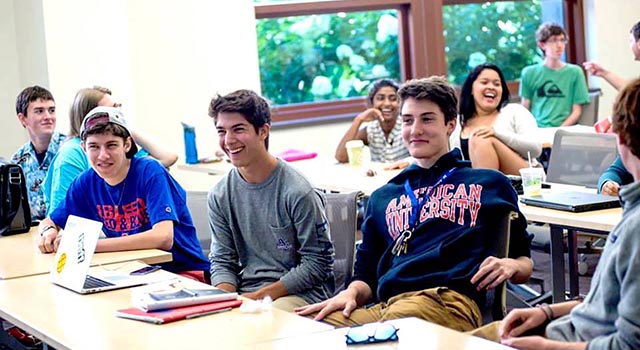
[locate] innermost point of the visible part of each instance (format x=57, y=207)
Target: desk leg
x=557, y=264
x=574, y=285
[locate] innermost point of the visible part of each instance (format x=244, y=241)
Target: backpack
x=15, y=213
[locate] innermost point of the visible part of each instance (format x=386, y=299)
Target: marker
x=208, y=313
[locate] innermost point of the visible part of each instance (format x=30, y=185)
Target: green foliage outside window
x=326, y=57
x=502, y=33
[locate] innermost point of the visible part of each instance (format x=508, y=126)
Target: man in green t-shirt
x=553, y=90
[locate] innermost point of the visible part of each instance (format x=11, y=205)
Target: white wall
x=164, y=60
x=607, y=32
x=22, y=63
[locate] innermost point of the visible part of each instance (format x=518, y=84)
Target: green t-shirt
x=553, y=92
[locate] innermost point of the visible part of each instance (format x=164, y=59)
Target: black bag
x=15, y=213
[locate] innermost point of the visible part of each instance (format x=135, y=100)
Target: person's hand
x=49, y=241
x=610, y=188
x=484, y=132
x=252, y=295
x=345, y=301
x=369, y=115
x=594, y=69
x=494, y=271
x=519, y=321
x=533, y=342
x=401, y=164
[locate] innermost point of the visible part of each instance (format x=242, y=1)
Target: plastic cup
x=532, y=181
x=354, y=151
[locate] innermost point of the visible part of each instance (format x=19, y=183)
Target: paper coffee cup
x=354, y=151
x=532, y=181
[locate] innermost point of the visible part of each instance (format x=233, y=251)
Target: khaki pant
x=438, y=305
x=289, y=302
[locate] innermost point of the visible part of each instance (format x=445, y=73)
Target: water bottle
x=190, y=143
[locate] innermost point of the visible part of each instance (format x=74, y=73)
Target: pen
x=208, y=313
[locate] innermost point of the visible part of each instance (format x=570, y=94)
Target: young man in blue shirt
x=140, y=205
x=36, y=110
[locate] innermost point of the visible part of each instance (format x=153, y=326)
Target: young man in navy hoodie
x=431, y=258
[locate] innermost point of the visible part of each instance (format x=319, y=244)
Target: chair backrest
x=342, y=211
x=197, y=204
x=589, y=115
x=580, y=158
x=496, y=307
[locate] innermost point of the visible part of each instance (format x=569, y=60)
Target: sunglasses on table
x=372, y=333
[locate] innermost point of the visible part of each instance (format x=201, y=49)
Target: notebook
x=73, y=258
x=572, y=201
x=170, y=315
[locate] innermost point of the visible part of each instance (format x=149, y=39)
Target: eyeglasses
x=557, y=41
x=372, y=333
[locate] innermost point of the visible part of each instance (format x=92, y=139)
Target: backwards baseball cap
x=101, y=116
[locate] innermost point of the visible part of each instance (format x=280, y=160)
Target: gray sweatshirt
x=609, y=317
x=273, y=231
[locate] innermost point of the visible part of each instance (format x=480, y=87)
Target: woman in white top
x=491, y=132
x=382, y=129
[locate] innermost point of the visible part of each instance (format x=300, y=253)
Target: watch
x=46, y=228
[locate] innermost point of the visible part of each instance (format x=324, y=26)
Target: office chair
x=342, y=211
x=496, y=304
x=197, y=204
x=580, y=158
x=589, y=115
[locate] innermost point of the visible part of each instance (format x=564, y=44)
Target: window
x=328, y=56
x=502, y=33
x=421, y=51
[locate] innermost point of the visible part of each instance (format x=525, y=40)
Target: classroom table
x=597, y=221
x=21, y=257
x=323, y=172
x=67, y=320
x=413, y=333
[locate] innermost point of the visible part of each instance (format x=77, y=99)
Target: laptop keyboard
x=91, y=282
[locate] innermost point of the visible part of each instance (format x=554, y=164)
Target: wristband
x=46, y=228
x=547, y=311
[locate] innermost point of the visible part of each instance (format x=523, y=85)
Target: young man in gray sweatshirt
x=270, y=235
x=609, y=316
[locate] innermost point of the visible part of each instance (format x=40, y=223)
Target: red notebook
x=292, y=155
x=181, y=313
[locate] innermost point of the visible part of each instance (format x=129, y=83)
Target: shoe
x=23, y=337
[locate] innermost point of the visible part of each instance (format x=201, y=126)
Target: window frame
x=419, y=56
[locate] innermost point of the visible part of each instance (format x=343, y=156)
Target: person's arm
x=494, y=271
x=48, y=230
x=615, y=175
x=315, y=250
x=357, y=293
x=160, y=236
x=518, y=321
x=355, y=132
x=163, y=155
x=538, y=342
x=516, y=128
x=574, y=117
x=63, y=171
x=612, y=78
x=223, y=256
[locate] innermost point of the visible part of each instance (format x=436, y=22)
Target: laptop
x=73, y=258
x=572, y=201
